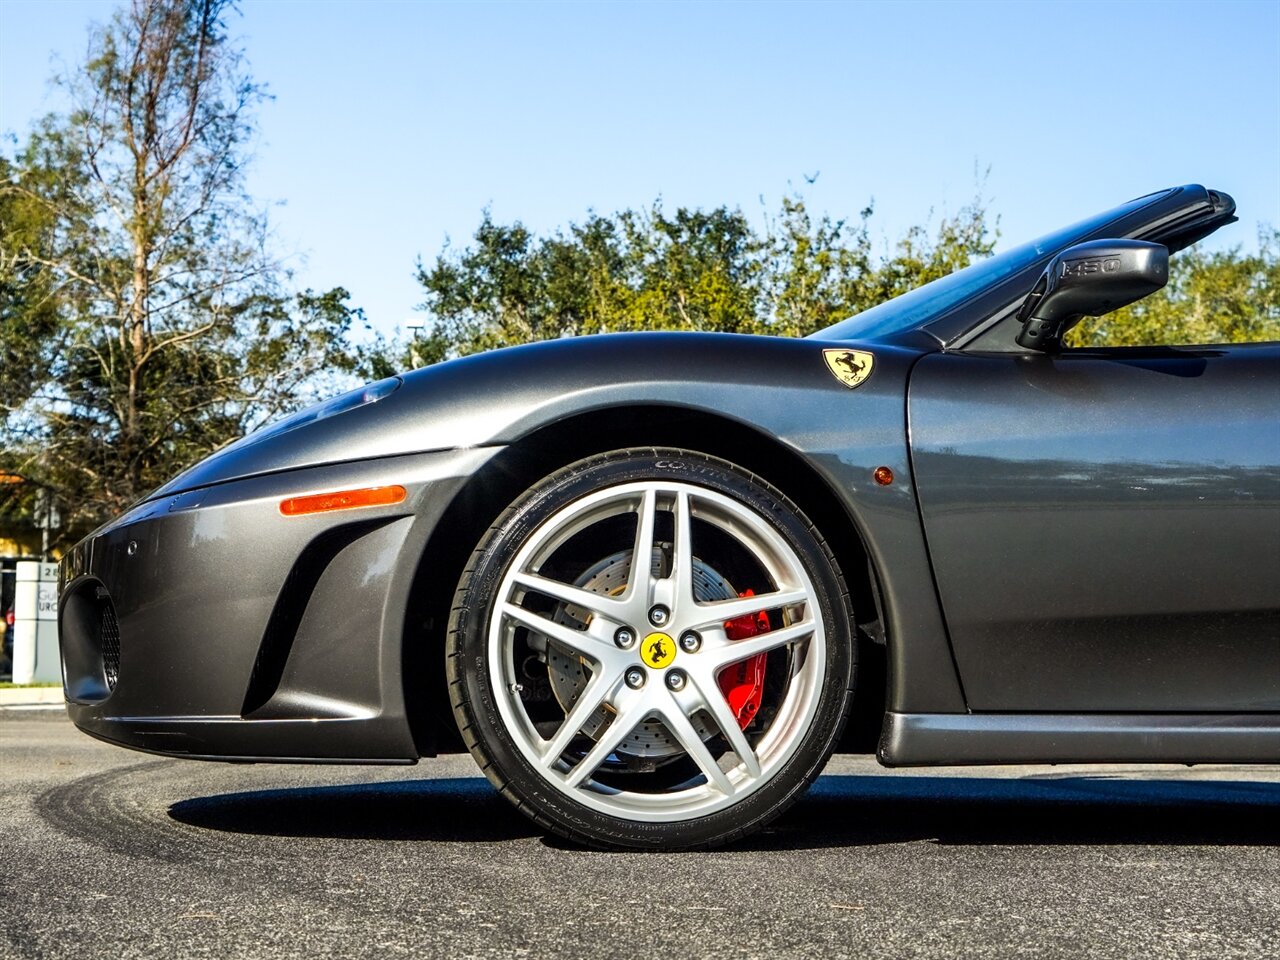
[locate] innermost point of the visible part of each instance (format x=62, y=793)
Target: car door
x=1104, y=525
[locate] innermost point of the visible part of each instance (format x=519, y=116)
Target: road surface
x=109, y=853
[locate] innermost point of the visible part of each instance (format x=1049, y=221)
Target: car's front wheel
x=651, y=648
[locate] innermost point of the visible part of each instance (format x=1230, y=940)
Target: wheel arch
x=551, y=446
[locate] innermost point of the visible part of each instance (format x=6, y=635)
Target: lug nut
x=659, y=615
x=635, y=678
x=690, y=641
x=675, y=680
x=624, y=638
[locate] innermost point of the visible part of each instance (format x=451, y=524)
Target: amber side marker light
x=342, y=500
x=883, y=475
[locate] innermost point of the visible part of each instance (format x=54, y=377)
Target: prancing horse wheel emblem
x=657, y=650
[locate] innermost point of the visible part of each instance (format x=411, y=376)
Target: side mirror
x=1088, y=280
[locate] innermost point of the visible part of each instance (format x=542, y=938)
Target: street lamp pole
x=415, y=326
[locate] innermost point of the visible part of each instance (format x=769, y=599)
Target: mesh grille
x=109, y=639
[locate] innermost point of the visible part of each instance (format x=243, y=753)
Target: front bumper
x=206, y=624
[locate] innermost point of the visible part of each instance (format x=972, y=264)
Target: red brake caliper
x=743, y=683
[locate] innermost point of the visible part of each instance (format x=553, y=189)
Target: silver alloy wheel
x=689, y=703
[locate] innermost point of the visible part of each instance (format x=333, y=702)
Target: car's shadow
x=840, y=810
x=460, y=809
x=1043, y=810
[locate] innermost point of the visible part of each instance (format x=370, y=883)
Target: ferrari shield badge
x=850, y=367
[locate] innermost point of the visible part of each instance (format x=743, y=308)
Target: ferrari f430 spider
x=652, y=581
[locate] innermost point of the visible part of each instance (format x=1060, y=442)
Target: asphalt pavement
x=109, y=853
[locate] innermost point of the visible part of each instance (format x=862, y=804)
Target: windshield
x=934, y=299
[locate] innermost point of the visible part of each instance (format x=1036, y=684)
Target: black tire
x=473, y=698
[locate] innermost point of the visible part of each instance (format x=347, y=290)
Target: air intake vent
x=89, y=634
x=109, y=642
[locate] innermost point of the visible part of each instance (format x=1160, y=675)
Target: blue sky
x=394, y=124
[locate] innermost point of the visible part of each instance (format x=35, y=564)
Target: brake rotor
x=569, y=675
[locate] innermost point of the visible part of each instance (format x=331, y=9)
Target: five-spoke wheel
x=651, y=648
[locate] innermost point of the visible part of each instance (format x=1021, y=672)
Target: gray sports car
x=652, y=581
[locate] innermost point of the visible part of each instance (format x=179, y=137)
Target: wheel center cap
x=657, y=650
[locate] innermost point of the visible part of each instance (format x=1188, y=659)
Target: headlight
x=370, y=393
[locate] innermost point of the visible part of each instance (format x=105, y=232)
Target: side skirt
x=936, y=739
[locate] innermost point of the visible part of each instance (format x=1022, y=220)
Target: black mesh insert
x=109, y=640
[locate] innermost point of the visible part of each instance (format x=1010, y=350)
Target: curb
x=30, y=696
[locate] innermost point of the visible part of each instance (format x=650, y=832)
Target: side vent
x=291, y=604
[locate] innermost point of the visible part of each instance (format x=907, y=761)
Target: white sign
x=47, y=601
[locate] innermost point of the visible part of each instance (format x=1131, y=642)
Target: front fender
x=780, y=387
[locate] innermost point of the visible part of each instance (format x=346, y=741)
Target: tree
x=694, y=270
x=145, y=323
x=712, y=270
x=821, y=272
x=28, y=316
